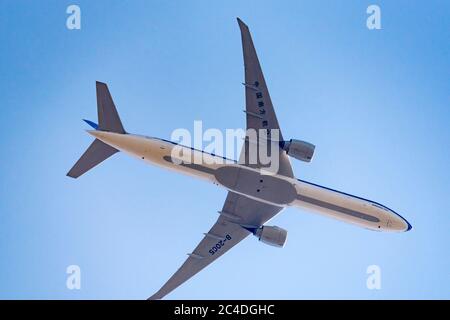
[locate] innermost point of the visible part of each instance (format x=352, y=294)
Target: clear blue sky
x=375, y=103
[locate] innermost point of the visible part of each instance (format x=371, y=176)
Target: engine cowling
x=272, y=235
x=298, y=149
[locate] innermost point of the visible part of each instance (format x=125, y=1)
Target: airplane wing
x=259, y=108
x=238, y=211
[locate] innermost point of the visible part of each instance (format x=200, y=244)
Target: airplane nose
x=409, y=226
x=397, y=223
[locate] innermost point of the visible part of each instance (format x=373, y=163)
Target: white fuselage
x=254, y=183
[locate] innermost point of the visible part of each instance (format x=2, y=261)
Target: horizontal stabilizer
x=95, y=154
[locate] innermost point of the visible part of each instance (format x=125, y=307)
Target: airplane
x=254, y=196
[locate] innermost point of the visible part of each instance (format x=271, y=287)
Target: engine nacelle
x=298, y=149
x=272, y=235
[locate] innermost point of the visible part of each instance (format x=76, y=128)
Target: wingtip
x=241, y=23
x=71, y=174
x=154, y=297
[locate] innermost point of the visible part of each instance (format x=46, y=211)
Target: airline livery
x=254, y=196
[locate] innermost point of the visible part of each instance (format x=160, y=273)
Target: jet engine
x=298, y=149
x=271, y=235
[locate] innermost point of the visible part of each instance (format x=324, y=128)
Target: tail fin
x=108, y=120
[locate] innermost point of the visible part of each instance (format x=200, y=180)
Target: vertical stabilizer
x=108, y=118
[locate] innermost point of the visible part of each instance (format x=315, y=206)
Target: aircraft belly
x=248, y=182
